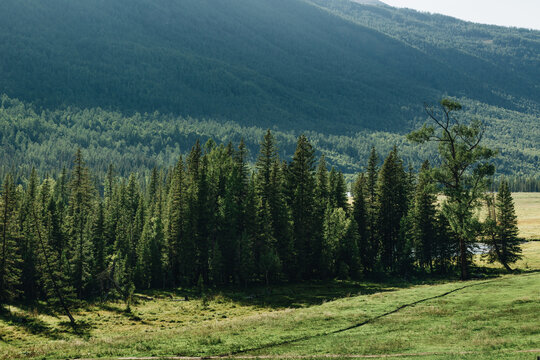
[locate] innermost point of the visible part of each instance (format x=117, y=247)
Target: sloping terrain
x=331, y=66
x=492, y=319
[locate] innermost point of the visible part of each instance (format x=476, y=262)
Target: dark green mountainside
x=258, y=62
x=350, y=74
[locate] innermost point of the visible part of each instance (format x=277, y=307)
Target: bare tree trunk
x=463, y=259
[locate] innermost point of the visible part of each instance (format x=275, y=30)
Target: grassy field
x=492, y=318
x=528, y=212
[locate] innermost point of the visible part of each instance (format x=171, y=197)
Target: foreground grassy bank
x=492, y=317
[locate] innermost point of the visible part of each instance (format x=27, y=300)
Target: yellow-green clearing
x=492, y=318
x=528, y=213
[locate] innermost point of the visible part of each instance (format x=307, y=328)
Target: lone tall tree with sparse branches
x=463, y=172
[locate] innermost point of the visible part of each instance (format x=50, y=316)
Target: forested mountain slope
x=47, y=140
x=93, y=74
x=287, y=63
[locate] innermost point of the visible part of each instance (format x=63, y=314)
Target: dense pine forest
x=211, y=221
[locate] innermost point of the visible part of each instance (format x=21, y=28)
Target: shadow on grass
x=30, y=324
x=27, y=320
x=127, y=313
x=82, y=329
x=488, y=272
x=304, y=294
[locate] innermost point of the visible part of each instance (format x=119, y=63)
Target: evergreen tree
x=349, y=261
x=233, y=211
x=281, y=220
x=244, y=254
x=338, y=190
x=373, y=242
x=301, y=184
x=148, y=271
x=265, y=160
x=404, y=249
x=80, y=209
x=111, y=209
x=505, y=245
x=180, y=250
x=269, y=264
x=423, y=221
x=52, y=264
x=392, y=207
x=197, y=241
x=446, y=247
x=322, y=197
x=360, y=217
x=99, y=249
x=335, y=229
x=61, y=192
x=270, y=187
x=29, y=243
x=10, y=240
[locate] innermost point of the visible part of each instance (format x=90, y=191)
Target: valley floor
x=491, y=318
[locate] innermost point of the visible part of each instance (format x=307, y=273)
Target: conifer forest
x=269, y=179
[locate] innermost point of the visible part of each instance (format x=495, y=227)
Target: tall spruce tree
x=233, y=211
x=99, y=245
x=10, y=240
x=360, y=216
x=505, y=245
x=338, y=190
x=372, y=209
x=29, y=243
x=392, y=207
x=244, y=255
x=423, y=219
x=281, y=219
x=265, y=160
x=270, y=187
x=53, y=266
x=180, y=250
x=322, y=204
x=301, y=184
x=80, y=209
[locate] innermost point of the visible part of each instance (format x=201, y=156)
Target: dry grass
x=527, y=207
x=528, y=213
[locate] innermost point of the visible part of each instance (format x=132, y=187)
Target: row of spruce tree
x=212, y=219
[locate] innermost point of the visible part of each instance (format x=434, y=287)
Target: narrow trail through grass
x=355, y=326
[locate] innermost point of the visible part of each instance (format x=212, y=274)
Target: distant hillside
x=47, y=140
x=325, y=65
x=348, y=74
